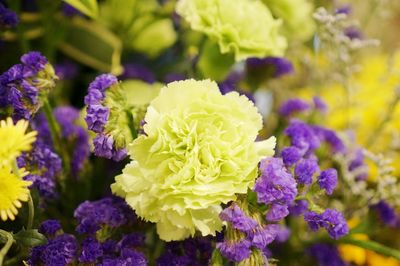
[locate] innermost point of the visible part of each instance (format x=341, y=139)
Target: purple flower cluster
x=326, y=255
x=8, y=18
x=68, y=117
x=192, y=251
x=23, y=85
x=98, y=115
x=387, y=214
x=275, y=187
x=136, y=71
x=269, y=66
x=293, y=106
x=111, y=211
x=256, y=235
x=332, y=220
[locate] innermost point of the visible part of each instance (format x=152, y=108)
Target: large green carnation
x=197, y=152
x=243, y=27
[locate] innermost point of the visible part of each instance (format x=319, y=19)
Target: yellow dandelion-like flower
x=13, y=191
x=14, y=140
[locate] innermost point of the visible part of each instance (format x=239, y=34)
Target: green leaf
x=93, y=45
x=87, y=7
x=30, y=238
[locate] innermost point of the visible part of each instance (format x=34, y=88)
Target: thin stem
x=371, y=245
x=7, y=246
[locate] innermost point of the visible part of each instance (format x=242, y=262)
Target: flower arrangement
x=191, y=132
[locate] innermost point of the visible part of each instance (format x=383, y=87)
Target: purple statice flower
x=231, y=83
x=235, y=251
x=263, y=236
x=353, y=33
x=328, y=180
x=277, y=212
x=386, y=213
x=345, y=9
x=66, y=70
x=302, y=136
x=33, y=63
x=127, y=257
x=136, y=71
x=331, y=138
x=326, y=255
x=98, y=115
x=35, y=255
x=319, y=104
x=234, y=215
x=110, y=211
x=332, y=220
x=75, y=135
x=291, y=155
x=299, y=207
x=132, y=240
x=8, y=18
x=276, y=184
x=91, y=251
x=270, y=66
x=305, y=170
x=292, y=106
x=283, y=234
x=59, y=251
x=50, y=228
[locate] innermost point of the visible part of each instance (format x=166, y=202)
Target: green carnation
x=296, y=15
x=198, y=151
x=245, y=28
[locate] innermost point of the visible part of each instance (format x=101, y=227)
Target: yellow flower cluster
x=13, y=189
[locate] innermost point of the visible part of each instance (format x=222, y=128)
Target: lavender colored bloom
x=302, y=136
x=35, y=255
x=91, y=250
x=292, y=106
x=357, y=161
x=326, y=255
x=59, y=251
x=386, y=213
x=299, y=207
x=305, y=169
x=328, y=180
x=319, y=104
x=132, y=240
x=261, y=237
x=332, y=220
x=136, y=71
x=50, y=227
x=8, y=18
x=102, y=83
x=277, y=212
x=238, y=219
x=276, y=184
x=273, y=66
x=291, y=155
x=97, y=117
x=345, y=9
x=283, y=234
x=33, y=63
x=111, y=211
x=235, y=251
x=330, y=137
x=353, y=33
x=103, y=147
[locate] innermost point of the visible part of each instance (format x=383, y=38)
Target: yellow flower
x=198, y=151
x=374, y=259
x=13, y=190
x=14, y=140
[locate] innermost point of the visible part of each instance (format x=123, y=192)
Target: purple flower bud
x=305, y=169
x=292, y=106
x=386, y=213
x=328, y=180
x=238, y=219
x=319, y=104
x=261, y=237
x=273, y=66
x=291, y=155
x=50, y=227
x=299, y=207
x=8, y=18
x=235, y=251
x=277, y=212
x=332, y=220
x=136, y=71
x=91, y=251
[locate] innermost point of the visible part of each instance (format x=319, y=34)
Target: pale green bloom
x=296, y=15
x=245, y=28
x=197, y=152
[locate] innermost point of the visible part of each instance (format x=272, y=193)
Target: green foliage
x=87, y=7
x=30, y=238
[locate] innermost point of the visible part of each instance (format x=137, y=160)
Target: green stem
x=371, y=245
x=7, y=246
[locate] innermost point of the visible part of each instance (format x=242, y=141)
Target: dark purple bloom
x=132, y=240
x=136, y=71
x=277, y=212
x=319, y=104
x=238, y=219
x=128, y=257
x=302, y=136
x=235, y=251
x=353, y=33
x=299, y=207
x=8, y=18
x=386, y=213
x=328, y=180
x=35, y=255
x=332, y=220
x=91, y=250
x=70, y=11
x=292, y=106
x=33, y=63
x=272, y=66
x=305, y=169
x=173, y=77
x=261, y=237
x=326, y=255
x=111, y=211
x=291, y=155
x=97, y=117
x=50, y=227
x=59, y=251
x=103, y=82
x=103, y=147
x=276, y=184
x=283, y=234
x=331, y=138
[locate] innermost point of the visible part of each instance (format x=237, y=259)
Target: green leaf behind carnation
x=87, y=7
